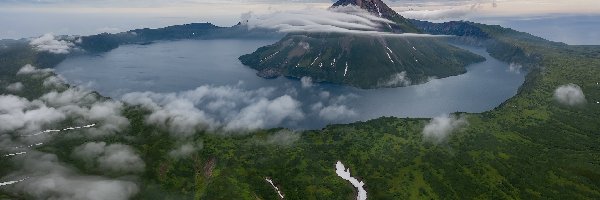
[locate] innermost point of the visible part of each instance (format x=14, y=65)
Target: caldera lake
x=172, y=67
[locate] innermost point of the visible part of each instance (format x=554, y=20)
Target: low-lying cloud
x=334, y=112
x=266, y=113
x=42, y=175
x=342, y=19
x=398, y=79
x=29, y=69
x=515, y=68
x=17, y=113
x=15, y=87
x=48, y=178
x=49, y=43
x=283, y=137
x=185, y=150
x=440, y=127
x=569, y=94
x=227, y=108
x=54, y=82
x=453, y=12
x=306, y=82
x=82, y=106
x=114, y=157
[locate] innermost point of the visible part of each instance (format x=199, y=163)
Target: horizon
x=79, y=17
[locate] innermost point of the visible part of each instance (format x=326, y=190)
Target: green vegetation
x=199, y=31
x=528, y=148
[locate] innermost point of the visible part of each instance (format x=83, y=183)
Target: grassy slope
x=529, y=147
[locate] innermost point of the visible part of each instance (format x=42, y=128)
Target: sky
x=553, y=19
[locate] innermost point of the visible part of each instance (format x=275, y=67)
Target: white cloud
x=283, y=137
x=440, y=127
x=181, y=117
x=49, y=43
x=69, y=97
x=515, y=68
x=89, y=151
x=25, y=116
x=185, y=150
x=228, y=108
x=454, y=12
x=121, y=158
x=569, y=94
x=50, y=179
x=115, y=157
x=324, y=94
x=108, y=30
x=342, y=19
x=15, y=87
x=109, y=114
x=84, y=103
x=398, y=79
x=306, y=82
x=336, y=112
x=266, y=113
x=17, y=113
x=30, y=69
x=54, y=82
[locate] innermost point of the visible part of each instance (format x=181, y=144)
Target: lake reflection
x=176, y=66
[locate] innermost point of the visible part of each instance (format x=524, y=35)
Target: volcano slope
x=362, y=60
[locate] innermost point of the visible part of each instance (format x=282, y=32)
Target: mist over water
x=180, y=66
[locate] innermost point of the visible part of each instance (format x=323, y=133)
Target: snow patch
x=275, y=187
x=378, y=11
x=388, y=55
x=346, y=70
x=389, y=49
x=59, y=130
x=13, y=182
x=15, y=154
x=269, y=57
x=28, y=146
x=345, y=174
x=315, y=60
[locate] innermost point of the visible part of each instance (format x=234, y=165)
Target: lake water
x=178, y=66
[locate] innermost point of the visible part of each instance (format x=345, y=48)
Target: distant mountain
x=106, y=41
x=502, y=43
x=361, y=60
